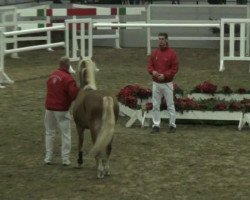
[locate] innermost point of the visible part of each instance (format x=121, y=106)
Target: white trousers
x=52, y=120
x=165, y=90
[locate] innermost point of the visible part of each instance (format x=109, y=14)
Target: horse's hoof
x=79, y=166
x=100, y=176
x=107, y=173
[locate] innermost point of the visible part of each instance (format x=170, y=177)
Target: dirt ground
x=198, y=162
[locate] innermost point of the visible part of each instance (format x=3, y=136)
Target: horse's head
x=86, y=71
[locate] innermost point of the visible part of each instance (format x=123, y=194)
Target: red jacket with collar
x=61, y=90
x=164, y=61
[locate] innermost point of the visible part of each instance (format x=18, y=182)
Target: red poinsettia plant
x=246, y=105
x=205, y=87
x=228, y=90
x=207, y=105
x=178, y=90
x=241, y=91
x=130, y=94
x=210, y=88
x=186, y=104
x=225, y=90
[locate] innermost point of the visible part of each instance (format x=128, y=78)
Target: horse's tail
x=106, y=133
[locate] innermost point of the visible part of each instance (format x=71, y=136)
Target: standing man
x=162, y=66
x=61, y=91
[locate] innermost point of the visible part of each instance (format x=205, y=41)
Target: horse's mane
x=87, y=66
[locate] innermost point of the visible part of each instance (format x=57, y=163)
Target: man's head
x=65, y=62
x=163, y=40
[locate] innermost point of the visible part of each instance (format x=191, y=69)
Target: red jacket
x=165, y=62
x=61, y=90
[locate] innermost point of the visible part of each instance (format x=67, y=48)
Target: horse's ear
x=71, y=70
x=96, y=69
x=95, y=66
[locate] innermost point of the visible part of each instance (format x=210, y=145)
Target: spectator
x=163, y=66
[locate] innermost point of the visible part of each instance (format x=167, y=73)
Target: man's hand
x=160, y=77
x=155, y=74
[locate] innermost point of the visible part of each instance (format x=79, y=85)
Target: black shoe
x=171, y=129
x=155, y=129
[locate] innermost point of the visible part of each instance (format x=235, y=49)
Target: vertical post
x=222, y=68
x=49, y=40
x=242, y=39
x=82, y=47
x=231, y=39
x=148, y=15
x=15, y=37
x=117, y=33
x=3, y=77
x=66, y=37
x=90, y=44
x=248, y=32
x=2, y=47
x=74, y=40
x=48, y=21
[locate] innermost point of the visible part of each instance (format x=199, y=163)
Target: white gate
x=243, y=38
x=72, y=28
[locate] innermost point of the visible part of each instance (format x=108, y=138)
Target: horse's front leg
x=80, y=145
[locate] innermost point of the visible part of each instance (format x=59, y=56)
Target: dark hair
x=64, y=61
x=165, y=35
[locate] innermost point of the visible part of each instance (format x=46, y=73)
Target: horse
x=96, y=110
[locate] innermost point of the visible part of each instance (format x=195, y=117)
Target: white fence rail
x=3, y=51
x=194, y=14
x=82, y=26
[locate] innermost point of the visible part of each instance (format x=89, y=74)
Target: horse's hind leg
x=106, y=160
x=106, y=167
x=99, y=157
x=80, y=145
x=100, y=167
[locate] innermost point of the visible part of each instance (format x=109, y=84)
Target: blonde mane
x=87, y=66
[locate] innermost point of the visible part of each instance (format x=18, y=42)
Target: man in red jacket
x=61, y=91
x=163, y=66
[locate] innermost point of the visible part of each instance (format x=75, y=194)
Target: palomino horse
x=96, y=110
